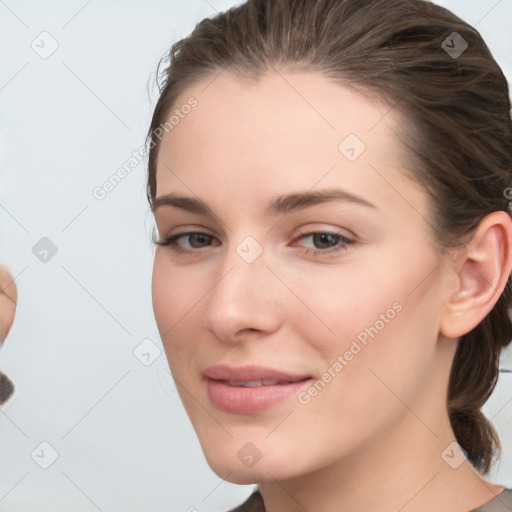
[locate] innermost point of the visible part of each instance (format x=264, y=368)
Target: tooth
x=256, y=383
x=250, y=384
x=270, y=382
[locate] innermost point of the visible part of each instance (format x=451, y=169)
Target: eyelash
x=171, y=242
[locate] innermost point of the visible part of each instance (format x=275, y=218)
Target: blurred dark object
x=6, y=388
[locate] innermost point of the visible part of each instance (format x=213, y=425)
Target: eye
x=329, y=242
x=196, y=239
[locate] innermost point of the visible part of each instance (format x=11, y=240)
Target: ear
x=481, y=275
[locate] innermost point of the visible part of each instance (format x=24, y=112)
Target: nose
x=244, y=299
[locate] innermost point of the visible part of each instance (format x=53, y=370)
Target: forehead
x=280, y=103
x=288, y=129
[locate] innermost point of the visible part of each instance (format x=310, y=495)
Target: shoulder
x=254, y=503
x=500, y=503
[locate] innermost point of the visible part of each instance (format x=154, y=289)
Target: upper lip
x=249, y=373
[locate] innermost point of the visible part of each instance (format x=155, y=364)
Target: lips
x=250, y=374
x=250, y=389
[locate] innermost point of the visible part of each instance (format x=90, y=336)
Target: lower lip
x=246, y=400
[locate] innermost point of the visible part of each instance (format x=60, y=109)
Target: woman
x=330, y=184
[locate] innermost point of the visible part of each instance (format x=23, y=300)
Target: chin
x=232, y=470
x=235, y=465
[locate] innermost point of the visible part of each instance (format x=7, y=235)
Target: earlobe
x=482, y=274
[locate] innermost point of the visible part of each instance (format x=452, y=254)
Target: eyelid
x=321, y=228
x=182, y=229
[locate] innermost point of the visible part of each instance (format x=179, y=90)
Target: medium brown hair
x=455, y=111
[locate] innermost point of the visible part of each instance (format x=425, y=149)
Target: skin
x=372, y=439
x=8, y=301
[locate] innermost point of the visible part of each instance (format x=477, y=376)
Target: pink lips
x=241, y=399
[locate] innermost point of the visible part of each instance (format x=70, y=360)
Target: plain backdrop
x=96, y=423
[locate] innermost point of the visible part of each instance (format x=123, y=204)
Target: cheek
x=366, y=324
x=175, y=290
x=164, y=296
x=174, y=296
x=341, y=304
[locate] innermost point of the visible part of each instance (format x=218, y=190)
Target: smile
x=250, y=397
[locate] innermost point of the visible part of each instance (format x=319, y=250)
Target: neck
x=392, y=475
x=401, y=470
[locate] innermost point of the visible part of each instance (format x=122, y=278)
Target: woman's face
x=342, y=290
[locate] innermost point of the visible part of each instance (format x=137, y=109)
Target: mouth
x=251, y=374
x=257, y=383
x=251, y=388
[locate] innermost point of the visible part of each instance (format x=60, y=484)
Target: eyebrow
x=277, y=206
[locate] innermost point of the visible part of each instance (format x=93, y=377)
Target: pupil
x=323, y=236
x=201, y=236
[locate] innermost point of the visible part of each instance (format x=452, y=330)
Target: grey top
x=500, y=503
